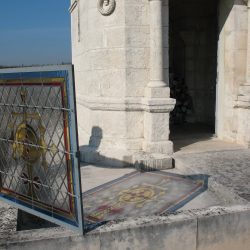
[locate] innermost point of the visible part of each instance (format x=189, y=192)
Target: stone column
x=157, y=101
x=243, y=102
x=248, y=45
x=156, y=45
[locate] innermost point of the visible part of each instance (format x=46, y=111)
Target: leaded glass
x=39, y=168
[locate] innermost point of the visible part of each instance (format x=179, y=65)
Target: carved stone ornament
x=106, y=7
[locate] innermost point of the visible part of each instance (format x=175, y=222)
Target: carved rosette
x=106, y=7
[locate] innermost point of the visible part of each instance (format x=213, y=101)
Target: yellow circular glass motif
x=136, y=195
x=25, y=138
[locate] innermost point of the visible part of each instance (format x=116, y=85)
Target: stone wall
x=210, y=229
x=111, y=55
x=243, y=100
x=137, y=47
x=101, y=57
x=232, y=54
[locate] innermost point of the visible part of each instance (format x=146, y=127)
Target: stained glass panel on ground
x=39, y=168
x=141, y=194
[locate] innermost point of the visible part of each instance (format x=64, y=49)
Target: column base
x=142, y=161
x=108, y=157
x=157, y=148
x=165, y=147
x=150, y=162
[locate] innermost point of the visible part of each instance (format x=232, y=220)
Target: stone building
x=130, y=54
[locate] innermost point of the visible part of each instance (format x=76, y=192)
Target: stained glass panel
x=39, y=168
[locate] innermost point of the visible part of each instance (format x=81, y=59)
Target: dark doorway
x=193, y=66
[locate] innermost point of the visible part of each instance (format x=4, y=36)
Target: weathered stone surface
x=118, y=57
x=111, y=57
x=215, y=228
x=228, y=231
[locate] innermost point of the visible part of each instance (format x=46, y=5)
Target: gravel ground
x=8, y=218
x=229, y=168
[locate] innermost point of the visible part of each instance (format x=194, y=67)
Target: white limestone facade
x=243, y=99
x=120, y=51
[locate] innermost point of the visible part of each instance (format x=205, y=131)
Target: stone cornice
x=156, y=105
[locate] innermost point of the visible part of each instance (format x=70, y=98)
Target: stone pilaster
x=243, y=102
x=157, y=101
x=248, y=45
x=156, y=45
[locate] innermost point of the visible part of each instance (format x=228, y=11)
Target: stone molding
x=156, y=45
x=220, y=227
x=109, y=7
x=157, y=105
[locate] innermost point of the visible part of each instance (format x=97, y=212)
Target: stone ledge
x=110, y=103
x=196, y=229
x=164, y=105
x=127, y=104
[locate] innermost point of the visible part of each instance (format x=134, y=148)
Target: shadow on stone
x=91, y=154
x=26, y=221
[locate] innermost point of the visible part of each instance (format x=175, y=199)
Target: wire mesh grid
x=37, y=156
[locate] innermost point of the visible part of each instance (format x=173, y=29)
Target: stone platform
x=225, y=202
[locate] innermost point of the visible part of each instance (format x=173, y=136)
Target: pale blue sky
x=34, y=32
